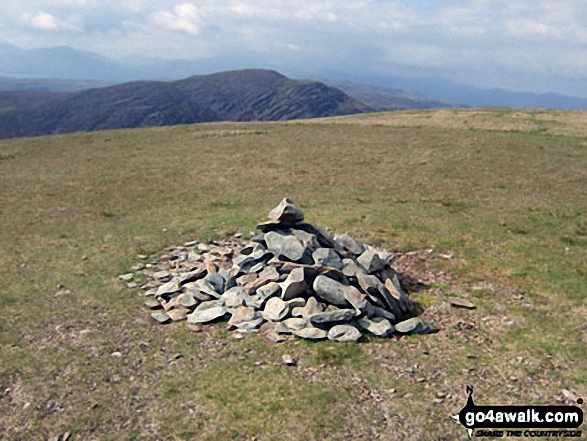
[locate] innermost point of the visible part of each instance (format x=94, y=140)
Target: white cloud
x=185, y=17
x=45, y=21
x=523, y=37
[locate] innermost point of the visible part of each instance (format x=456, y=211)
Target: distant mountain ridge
x=385, y=99
x=247, y=95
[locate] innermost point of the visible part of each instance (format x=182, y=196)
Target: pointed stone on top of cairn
x=286, y=211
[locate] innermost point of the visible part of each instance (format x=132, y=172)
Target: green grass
x=507, y=199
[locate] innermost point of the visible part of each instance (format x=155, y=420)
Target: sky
x=532, y=45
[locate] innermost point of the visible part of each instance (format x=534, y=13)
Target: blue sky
x=534, y=45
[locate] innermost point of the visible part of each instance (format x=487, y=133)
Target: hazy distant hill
x=385, y=98
x=14, y=84
x=249, y=95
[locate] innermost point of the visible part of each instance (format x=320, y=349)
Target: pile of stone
x=293, y=279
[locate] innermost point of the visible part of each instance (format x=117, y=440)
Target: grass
x=504, y=194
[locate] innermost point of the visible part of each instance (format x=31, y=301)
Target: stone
x=207, y=288
x=187, y=300
x=153, y=304
x=126, y=277
x=371, y=261
x=311, y=333
x=350, y=268
x=275, y=309
x=375, y=290
x=294, y=285
x=327, y=257
x=286, y=211
x=216, y=281
x=207, y=315
x=164, y=276
x=356, y=298
x=330, y=291
x=413, y=326
x=288, y=360
x=263, y=294
x=199, y=295
x=178, y=314
x=285, y=245
x=160, y=317
x=274, y=337
x=375, y=311
x=270, y=273
x=168, y=288
x=312, y=307
x=243, y=314
x=308, y=240
x=323, y=237
x=344, y=333
x=457, y=302
x=247, y=278
x=379, y=326
x=329, y=318
x=396, y=291
x=252, y=287
x=295, y=323
x=349, y=243
x=192, y=276
x=234, y=296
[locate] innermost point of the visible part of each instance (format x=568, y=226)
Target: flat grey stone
x=294, y=285
x=245, y=318
x=126, y=277
x=457, y=302
x=187, y=300
x=379, y=326
x=375, y=311
x=286, y=211
x=178, y=314
x=327, y=257
x=308, y=240
x=413, y=326
x=270, y=273
x=263, y=294
x=160, y=317
x=351, y=268
x=323, y=237
x=217, y=282
x=375, y=290
x=371, y=261
x=312, y=307
x=310, y=333
x=349, y=243
x=329, y=318
x=344, y=333
x=295, y=323
x=275, y=309
x=153, y=304
x=356, y=298
x=192, y=276
x=168, y=288
x=330, y=291
x=207, y=288
x=285, y=245
x=207, y=315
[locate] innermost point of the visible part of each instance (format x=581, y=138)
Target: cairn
x=292, y=279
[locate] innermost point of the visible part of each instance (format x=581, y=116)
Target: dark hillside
x=249, y=95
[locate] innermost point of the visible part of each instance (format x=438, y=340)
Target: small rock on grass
x=161, y=317
x=288, y=360
x=344, y=333
x=458, y=302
